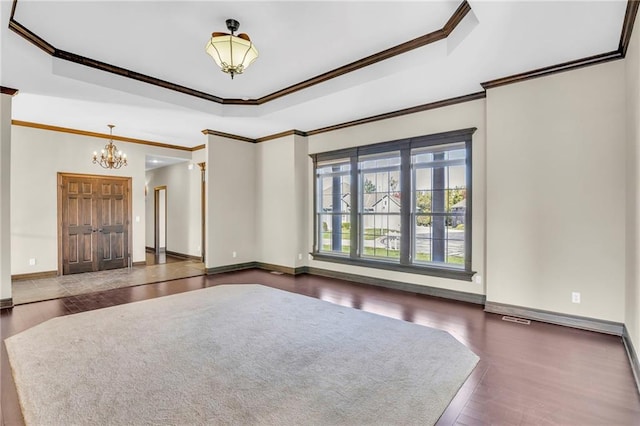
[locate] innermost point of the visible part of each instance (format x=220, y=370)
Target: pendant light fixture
x=110, y=157
x=232, y=53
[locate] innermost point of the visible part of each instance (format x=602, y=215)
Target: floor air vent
x=516, y=320
x=276, y=273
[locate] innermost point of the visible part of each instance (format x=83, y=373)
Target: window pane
x=337, y=166
x=439, y=240
x=423, y=179
x=375, y=161
x=380, y=236
x=336, y=193
x=335, y=233
x=423, y=202
x=452, y=151
x=422, y=243
x=455, y=240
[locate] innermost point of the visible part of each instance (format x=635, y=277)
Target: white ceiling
x=296, y=40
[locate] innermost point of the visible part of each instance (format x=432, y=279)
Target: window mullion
x=355, y=207
x=467, y=214
x=317, y=236
x=405, y=207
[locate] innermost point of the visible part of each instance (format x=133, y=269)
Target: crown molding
x=102, y=135
x=627, y=26
x=401, y=112
x=398, y=113
x=421, y=41
x=444, y=32
x=8, y=91
x=553, y=69
x=251, y=140
x=228, y=135
x=30, y=36
x=281, y=135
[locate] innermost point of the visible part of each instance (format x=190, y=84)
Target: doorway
x=94, y=223
x=160, y=219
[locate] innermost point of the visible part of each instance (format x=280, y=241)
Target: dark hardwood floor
x=539, y=374
x=161, y=258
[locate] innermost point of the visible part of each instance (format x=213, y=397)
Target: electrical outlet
x=575, y=297
x=234, y=254
x=32, y=261
x=477, y=279
x=299, y=256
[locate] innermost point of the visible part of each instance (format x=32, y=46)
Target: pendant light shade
x=233, y=54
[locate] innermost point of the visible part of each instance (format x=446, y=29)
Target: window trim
x=405, y=147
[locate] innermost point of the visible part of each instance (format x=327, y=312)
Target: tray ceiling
x=297, y=41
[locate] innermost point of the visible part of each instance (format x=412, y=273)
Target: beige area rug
x=236, y=355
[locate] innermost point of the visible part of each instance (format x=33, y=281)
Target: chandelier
x=233, y=54
x=110, y=157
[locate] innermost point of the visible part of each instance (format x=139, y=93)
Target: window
x=402, y=205
x=439, y=197
x=379, y=212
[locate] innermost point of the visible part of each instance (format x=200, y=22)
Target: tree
x=454, y=196
x=393, y=184
x=369, y=186
x=423, y=203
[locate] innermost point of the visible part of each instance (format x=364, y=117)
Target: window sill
x=450, y=273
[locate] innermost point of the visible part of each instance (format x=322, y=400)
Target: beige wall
x=460, y=116
x=183, y=207
x=632, y=311
x=276, y=204
x=231, y=202
x=556, y=192
x=5, y=197
x=281, y=216
x=303, y=169
x=37, y=156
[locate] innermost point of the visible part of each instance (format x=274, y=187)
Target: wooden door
x=113, y=232
x=78, y=224
x=94, y=222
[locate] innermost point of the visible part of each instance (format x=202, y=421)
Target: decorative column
x=5, y=196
